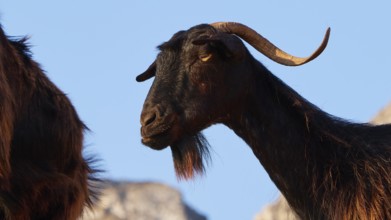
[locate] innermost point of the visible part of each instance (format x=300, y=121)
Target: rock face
x=280, y=210
x=140, y=201
x=384, y=116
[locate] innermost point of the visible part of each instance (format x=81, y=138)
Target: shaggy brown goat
x=42, y=171
x=326, y=167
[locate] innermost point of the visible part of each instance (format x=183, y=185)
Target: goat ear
x=147, y=74
x=228, y=44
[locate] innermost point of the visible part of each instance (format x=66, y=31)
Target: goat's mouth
x=157, y=141
x=189, y=148
x=161, y=134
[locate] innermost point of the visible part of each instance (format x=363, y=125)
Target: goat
x=326, y=167
x=43, y=174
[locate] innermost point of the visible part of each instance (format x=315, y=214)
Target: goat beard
x=190, y=155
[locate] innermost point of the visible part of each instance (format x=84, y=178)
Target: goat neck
x=311, y=156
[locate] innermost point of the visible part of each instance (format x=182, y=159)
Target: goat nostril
x=148, y=118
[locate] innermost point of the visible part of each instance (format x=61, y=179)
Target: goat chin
x=190, y=154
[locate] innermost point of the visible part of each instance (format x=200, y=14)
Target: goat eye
x=206, y=57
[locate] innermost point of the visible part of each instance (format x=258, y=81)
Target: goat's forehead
x=174, y=42
x=167, y=61
x=182, y=37
x=172, y=52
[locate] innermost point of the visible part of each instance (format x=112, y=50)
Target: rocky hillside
x=384, y=116
x=141, y=201
x=280, y=209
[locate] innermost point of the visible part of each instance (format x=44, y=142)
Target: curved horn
x=266, y=47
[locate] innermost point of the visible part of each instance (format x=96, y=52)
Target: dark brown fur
x=43, y=174
x=189, y=155
x=326, y=167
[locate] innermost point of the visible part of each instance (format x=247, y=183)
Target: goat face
x=196, y=80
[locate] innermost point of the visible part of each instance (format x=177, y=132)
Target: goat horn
x=265, y=46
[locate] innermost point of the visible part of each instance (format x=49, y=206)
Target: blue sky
x=93, y=51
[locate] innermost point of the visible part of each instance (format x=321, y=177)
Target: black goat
x=326, y=167
x=43, y=174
